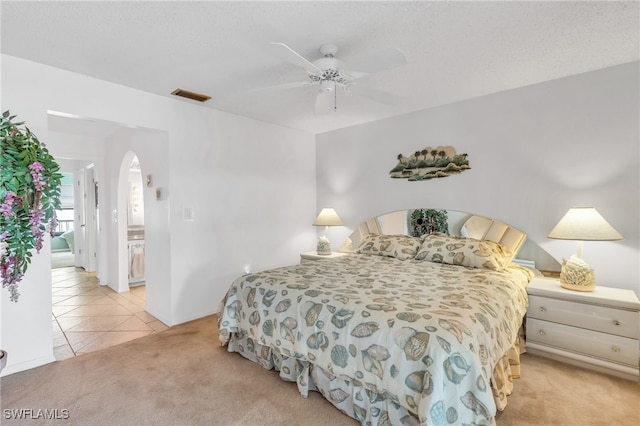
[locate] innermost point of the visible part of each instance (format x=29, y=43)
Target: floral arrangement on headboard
x=428, y=221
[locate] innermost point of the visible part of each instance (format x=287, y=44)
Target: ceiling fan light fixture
x=327, y=86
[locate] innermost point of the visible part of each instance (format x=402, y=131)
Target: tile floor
x=88, y=317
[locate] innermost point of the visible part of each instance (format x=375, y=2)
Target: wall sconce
x=327, y=217
x=581, y=224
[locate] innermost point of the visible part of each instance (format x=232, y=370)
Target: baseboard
x=195, y=317
x=26, y=365
x=158, y=315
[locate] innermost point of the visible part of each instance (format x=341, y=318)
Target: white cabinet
x=597, y=330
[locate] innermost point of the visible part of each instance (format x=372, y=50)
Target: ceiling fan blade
x=288, y=54
x=383, y=60
x=375, y=94
x=325, y=102
x=279, y=87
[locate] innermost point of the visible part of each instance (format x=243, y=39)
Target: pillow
x=346, y=247
x=482, y=254
x=68, y=237
x=59, y=244
x=401, y=247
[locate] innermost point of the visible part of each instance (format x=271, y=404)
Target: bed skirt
x=360, y=400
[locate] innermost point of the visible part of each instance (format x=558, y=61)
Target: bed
x=405, y=330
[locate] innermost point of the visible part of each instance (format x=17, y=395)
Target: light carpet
x=182, y=376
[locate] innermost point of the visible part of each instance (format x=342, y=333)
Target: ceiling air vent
x=191, y=95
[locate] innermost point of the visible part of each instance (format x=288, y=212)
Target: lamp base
x=324, y=247
x=577, y=275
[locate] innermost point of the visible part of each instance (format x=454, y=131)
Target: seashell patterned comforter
x=387, y=341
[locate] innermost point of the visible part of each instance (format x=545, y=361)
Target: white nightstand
x=597, y=330
x=311, y=256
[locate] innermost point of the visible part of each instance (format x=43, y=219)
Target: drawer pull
x=543, y=309
x=541, y=332
x=615, y=348
x=616, y=322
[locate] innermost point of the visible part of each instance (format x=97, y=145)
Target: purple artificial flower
x=6, y=208
x=38, y=180
x=35, y=217
x=35, y=220
x=7, y=266
x=53, y=224
x=36, y=166
x=39, y=239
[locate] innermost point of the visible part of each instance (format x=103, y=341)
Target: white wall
x=534, y=152
x=152, y=149
x=26, y=332
x=251, y=186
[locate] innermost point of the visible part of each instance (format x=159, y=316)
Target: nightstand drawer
x=600, y=318
x=592, y=343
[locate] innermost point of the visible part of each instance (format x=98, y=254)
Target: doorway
x=63, y=239
x=89, y=316
x=135, y=225
x=107, y=253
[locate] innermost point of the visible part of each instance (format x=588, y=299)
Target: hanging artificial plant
x=29, y=198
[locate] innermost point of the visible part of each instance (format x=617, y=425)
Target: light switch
x=187, y=214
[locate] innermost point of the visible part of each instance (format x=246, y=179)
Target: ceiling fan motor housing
x=331, y=73
x=329, y=50
x=329, y=63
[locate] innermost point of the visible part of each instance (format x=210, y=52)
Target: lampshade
x=581, y=224
x=328, y=217
x=584, y=224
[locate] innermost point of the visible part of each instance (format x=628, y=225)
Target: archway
x=130, y=223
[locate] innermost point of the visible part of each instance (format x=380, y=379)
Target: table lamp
x=581, y=224
x=327, y=217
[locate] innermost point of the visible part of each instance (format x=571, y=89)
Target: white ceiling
x=455, y=50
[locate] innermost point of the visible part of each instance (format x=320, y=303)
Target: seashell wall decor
x=430, y=163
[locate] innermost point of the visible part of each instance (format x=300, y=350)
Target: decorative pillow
x=440, y=248
x=68, y=237
x=401, y=247
x=346, y=247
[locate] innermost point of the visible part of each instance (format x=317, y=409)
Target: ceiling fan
x=329, y=74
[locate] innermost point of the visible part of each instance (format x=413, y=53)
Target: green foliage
x=428, y=221
x=29, y=197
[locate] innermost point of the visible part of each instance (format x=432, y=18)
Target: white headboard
x=474, y=226
x=462, y=224
x=483, y=228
